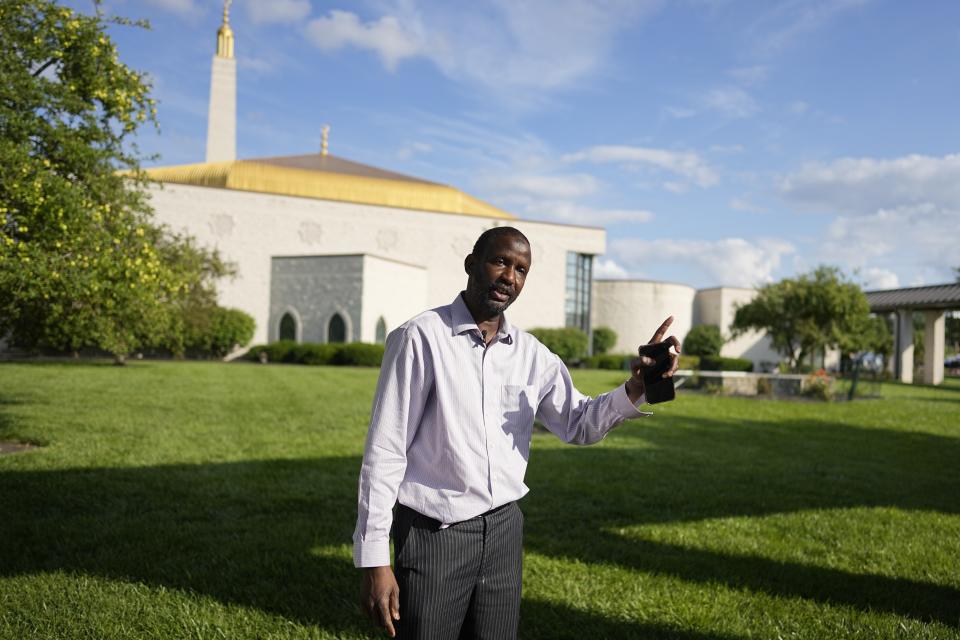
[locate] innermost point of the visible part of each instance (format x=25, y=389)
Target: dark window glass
x=578, y=283
x=337, y=330
x=288, y=327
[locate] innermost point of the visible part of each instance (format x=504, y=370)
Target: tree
x=807, y=314
x=603, y=340
x=570, y=343
x=81, y=263
x=703, y=340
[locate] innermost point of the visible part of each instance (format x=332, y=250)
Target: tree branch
x=44, y=67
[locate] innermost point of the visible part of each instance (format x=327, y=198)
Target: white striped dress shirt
x=452, y=422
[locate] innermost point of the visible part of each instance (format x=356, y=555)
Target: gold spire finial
x=324, y=139
x=225, y=33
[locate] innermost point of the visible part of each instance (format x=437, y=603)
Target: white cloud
x=750, y=75
x=516, y=49
x=727, y=148
x=867, y=184
x=413, y=149
x=608, y=269
x=255, y=64
x=386, y=37
x=744, y=204
x=542, y=186
x=729, y=261
x=180, y=7
x=555, y=198
x=899, y=215
x=789, y=20
x=732, y=102
x=277, y=11
x=798, y=107
x=680, y=112
x=572, y=213
x=683, y=163
x=878, y=278
x=905, y=238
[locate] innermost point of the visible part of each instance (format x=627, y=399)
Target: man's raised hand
x=635, y=385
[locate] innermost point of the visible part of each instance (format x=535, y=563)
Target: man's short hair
x=487, y=237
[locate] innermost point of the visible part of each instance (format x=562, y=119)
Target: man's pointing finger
x=662, y=331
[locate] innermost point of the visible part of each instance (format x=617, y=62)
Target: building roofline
x=646, y=281
x=351, y=255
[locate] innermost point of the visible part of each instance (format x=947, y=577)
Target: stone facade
x=250, y=229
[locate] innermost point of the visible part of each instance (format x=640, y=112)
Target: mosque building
x=331, y=250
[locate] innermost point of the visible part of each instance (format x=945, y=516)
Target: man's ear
x=469, y=263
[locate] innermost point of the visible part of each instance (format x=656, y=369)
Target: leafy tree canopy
x=814, y=311
x=603, y=339
x=703, y=340
x=81, y=263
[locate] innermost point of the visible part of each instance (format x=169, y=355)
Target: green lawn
x=198, y=500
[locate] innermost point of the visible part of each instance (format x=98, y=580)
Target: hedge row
x=719, y=363
x=357, y=354
x=613, y=361
x=704, y=363
x=621, y=361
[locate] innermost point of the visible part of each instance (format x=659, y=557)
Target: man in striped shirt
x=447, y=451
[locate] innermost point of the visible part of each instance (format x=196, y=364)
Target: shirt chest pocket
x=519, y=404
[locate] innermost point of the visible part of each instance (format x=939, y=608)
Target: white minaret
x=222, y=117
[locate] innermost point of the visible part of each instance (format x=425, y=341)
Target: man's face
x=497, y=277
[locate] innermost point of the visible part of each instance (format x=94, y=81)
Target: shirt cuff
x=374, y=553
x=623, y=406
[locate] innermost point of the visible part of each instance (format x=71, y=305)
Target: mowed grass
x=202, y=500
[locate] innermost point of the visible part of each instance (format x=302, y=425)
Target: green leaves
x=81, y=262
x=812, y=312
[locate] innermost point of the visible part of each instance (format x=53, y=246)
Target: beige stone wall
x=248, y=228
x=395, y=291
x=635, y=308
x=718, y=306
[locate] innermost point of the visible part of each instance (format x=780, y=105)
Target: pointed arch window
x=288, y=327
x=381, y=335
x=337, y=329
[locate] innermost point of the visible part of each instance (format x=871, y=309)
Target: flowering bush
x=818, y=386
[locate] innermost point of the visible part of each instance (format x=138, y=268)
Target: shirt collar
x=462, y=321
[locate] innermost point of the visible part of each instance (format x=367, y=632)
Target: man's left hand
x=639, y=366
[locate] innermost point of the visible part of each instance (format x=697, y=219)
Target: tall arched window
x=288, y=327
x=381, y=335
x=337, y=329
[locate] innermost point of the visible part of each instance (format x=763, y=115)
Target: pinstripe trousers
x=462, y=581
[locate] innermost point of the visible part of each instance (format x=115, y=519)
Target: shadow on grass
x=245, y=532
x=694, y=469
x=240, y=532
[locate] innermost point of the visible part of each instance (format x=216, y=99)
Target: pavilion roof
x=941, y=296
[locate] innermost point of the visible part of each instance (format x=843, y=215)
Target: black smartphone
x=658, y=389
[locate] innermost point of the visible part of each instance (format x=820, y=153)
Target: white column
x=905, y=344
x=222, y=115
x=933, y=347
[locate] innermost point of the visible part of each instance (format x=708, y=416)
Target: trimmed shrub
x=312, y=353
x=689, y=362
x=703, y=340
x=358, y=354
x=719, y=363
x=276, y=351
x=229, y=329
x=603, y=340
x=611, y=361
x=570, y=344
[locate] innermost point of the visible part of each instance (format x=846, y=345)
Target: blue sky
x=719, y=142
